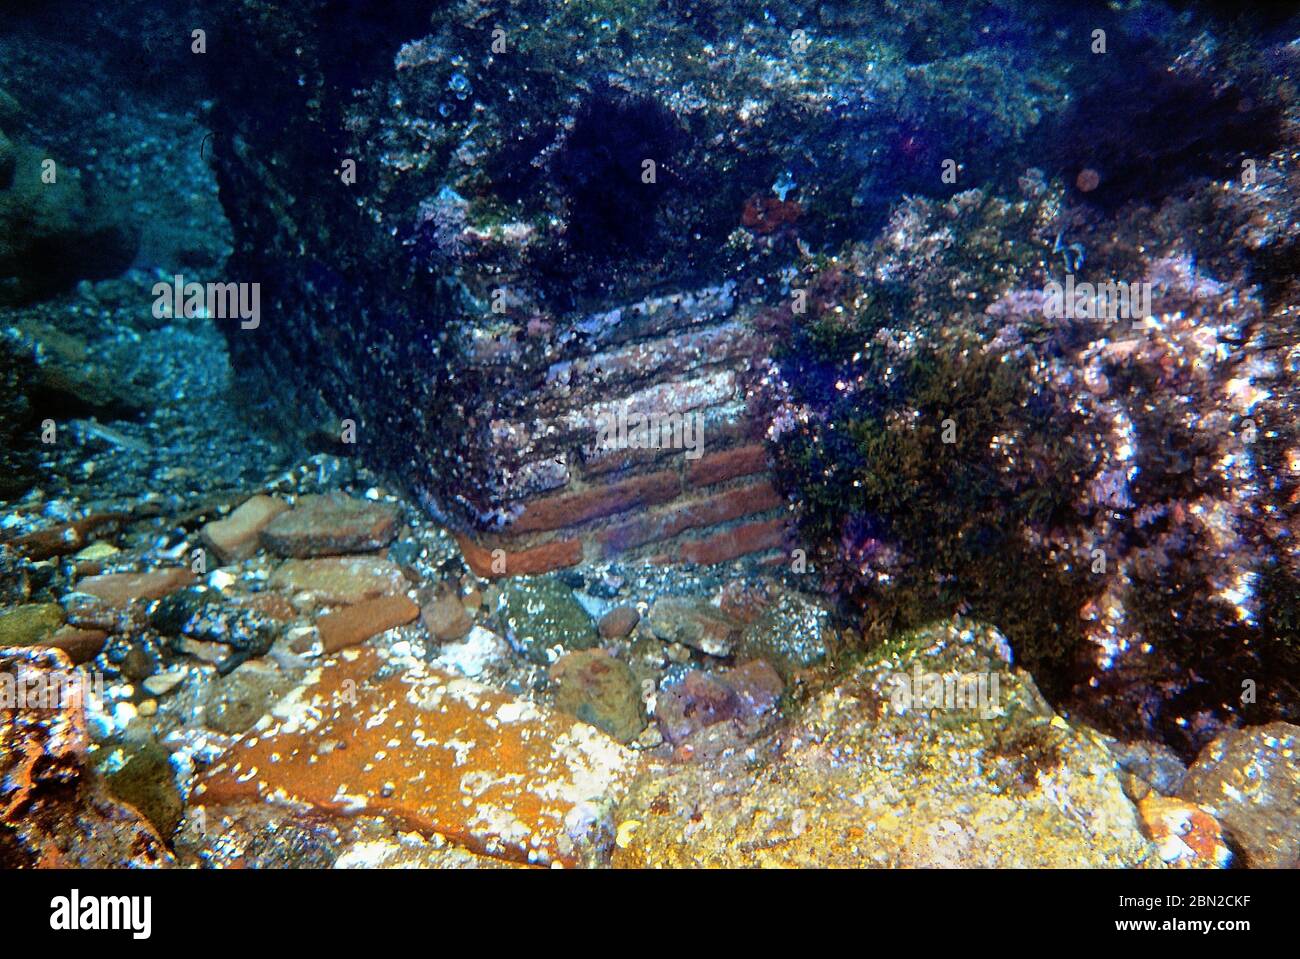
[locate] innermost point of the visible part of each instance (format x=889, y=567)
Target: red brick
x=741, y=461
x=755, y=498
x=524, y=562
x=352, y=625
x=235, y=537
x=751, y=538
x=601, y=462
x=597, y=502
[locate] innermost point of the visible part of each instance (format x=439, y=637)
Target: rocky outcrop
x=1250, y=779
x=480, y=234
x=1113, y=483
x=934, y=751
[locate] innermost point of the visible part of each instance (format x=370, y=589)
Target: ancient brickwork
x=554, y=492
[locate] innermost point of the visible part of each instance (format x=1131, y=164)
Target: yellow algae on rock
x=867, y=776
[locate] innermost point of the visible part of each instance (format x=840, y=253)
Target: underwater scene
x=649, y=433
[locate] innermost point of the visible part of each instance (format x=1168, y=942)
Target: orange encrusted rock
x=55, y=812
x=435, y=753
x=1186, y=836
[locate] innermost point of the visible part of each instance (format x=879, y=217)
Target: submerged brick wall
x=551, y=496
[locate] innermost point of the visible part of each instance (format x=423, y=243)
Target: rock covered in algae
x=1250, y=780
x=868, y=774
x=1116, y=492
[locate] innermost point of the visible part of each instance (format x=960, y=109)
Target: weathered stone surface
x=439, y=754
x=240, y=699
x=330, y=525
x=618, y=622
x=1150, y=766
x=340, y=580
x=264, y=836
x=599, y=689
x=757, y=684
x=29, y=624
x=355, y=624
x=54, y=811
x=540, y=614
x=858, y=780
x=746, y=694
x=699, y=700
x=1249, y=779
x=236, y=537
x=1186, y=837
x=79, y=645
x=246, y=835
x=120, y=589
x=791, y=633
x=445, y=617
x=200, y=614
x=148, y=784
x=693, y=623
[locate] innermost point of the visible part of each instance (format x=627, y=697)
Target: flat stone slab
x=435, y=753
x=694, y=623
x=236, y=537
x=340, y=580
x=330, y=526
x=119, y=590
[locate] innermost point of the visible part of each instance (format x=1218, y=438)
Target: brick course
x=550, y=498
